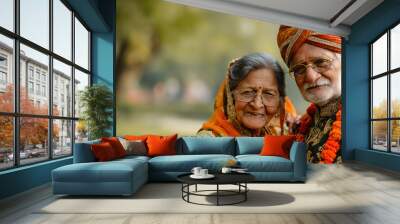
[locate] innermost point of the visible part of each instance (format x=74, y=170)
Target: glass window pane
x=6, y=74
x=81, y=131
x=35, y=21
x=379, y=97
x=33, y=139
x=395, y=94
x=62, y=138
x=7, y=14
x=395, y=47
x=34, y=96
x=81, y=45
x=6, y=142
x=379, y=55
x=62, y=89
x=395, y=138
x=62, y=29
x=379, y=135
x=81, y=81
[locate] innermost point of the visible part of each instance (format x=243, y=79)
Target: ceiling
x=326, y=16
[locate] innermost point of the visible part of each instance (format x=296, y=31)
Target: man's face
x=318, y=87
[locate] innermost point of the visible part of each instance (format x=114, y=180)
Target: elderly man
x=314, y=60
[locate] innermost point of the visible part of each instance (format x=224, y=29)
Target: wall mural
x=201, y=73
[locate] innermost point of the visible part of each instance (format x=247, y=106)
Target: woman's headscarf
x=223, y=121
x=290, y=39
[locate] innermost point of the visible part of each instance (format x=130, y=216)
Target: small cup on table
x=226, y=170
x=196, y=171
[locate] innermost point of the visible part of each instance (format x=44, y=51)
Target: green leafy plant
x=96, y=102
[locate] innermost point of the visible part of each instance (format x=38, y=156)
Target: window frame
x=388, y=74
x=16, y=114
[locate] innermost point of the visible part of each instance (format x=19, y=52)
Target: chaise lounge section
x=88, y=177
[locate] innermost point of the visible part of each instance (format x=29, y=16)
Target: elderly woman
x=251, y=101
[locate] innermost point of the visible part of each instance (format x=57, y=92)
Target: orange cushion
x=136, y=137
x=103, y=151
x=161, y=145
x=116, y=145
x=277, y=145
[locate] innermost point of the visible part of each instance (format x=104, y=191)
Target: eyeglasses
x=317, y=64
x=268, y=98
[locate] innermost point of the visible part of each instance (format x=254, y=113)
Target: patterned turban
x=290, y=39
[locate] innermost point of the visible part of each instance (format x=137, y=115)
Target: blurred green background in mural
x=171, y=59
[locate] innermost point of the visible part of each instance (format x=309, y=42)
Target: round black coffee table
x=238, y=179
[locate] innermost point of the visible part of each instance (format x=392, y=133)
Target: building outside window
x=3, y=72
x=43, y=90
x=30, y=87
x=385, y=95
x=37, y=74
x=3, y=60
x=38, y=89
x=55, y=99
x=44, y=77
x=3, y=78
x=30, y=72
x=34, y=74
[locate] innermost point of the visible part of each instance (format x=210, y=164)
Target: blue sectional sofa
x=125, y=176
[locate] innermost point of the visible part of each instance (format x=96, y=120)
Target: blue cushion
x=132, y=161
x=249, y=145
x=111, y=171
x=133, y=157
x=119, y=177
x=206, y=145
x=185, y=163
x=83, y=152
x=257, y=163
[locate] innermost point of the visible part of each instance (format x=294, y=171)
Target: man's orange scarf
x=332, y=145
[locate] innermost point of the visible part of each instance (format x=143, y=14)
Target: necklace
x=332, y=144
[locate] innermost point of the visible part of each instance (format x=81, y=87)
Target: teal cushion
x=206, y=145
x=185, y=163
x=133, y=157
x=111, y=171
x=257, y=163
x=249, y=145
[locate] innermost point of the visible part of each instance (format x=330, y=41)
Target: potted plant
x=96, y=102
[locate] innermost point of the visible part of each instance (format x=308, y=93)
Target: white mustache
x=319, y=82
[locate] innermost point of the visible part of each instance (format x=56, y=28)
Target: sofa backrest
x=190, y=146
x=83, y=152
x=249, y=145
x=206, y=145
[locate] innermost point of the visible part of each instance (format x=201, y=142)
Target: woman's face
x=256, y=98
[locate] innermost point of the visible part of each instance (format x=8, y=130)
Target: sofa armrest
x=83, y=152
x=298, y=157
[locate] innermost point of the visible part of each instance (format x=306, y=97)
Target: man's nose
x=311, y=75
